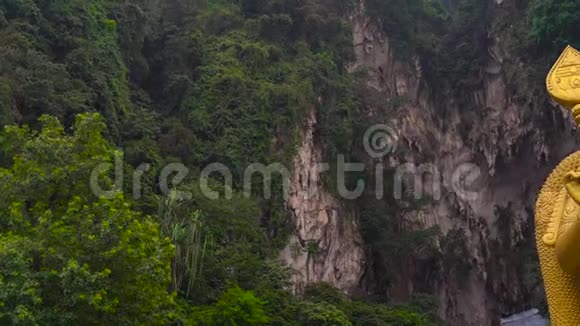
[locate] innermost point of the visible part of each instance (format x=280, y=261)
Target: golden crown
x=563, y=81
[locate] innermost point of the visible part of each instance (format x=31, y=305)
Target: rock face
x=493, y=157
x=326, y=245
x=527, y=318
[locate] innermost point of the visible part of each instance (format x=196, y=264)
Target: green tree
x=81, y=259
x=554, y=23
x=235, y=308
x=321, y=314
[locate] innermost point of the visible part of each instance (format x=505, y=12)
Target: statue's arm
x=568, y=249
x=568, y=244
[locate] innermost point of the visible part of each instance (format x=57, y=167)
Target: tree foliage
x=79, y=258
x=170, y=81
x=554, y=23
x=447, y=37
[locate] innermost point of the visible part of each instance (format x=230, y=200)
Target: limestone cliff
x=513, y=153
x=511, y=148
x=326, y=245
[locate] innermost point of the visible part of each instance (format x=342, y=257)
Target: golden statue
x=558, y=207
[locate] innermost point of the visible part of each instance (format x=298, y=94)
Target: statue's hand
x=572, y=182
x=572, y=175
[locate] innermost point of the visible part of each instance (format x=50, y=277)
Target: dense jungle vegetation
x=192, y=82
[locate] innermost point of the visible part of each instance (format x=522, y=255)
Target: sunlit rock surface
x=528, y=318
x=326, y=245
